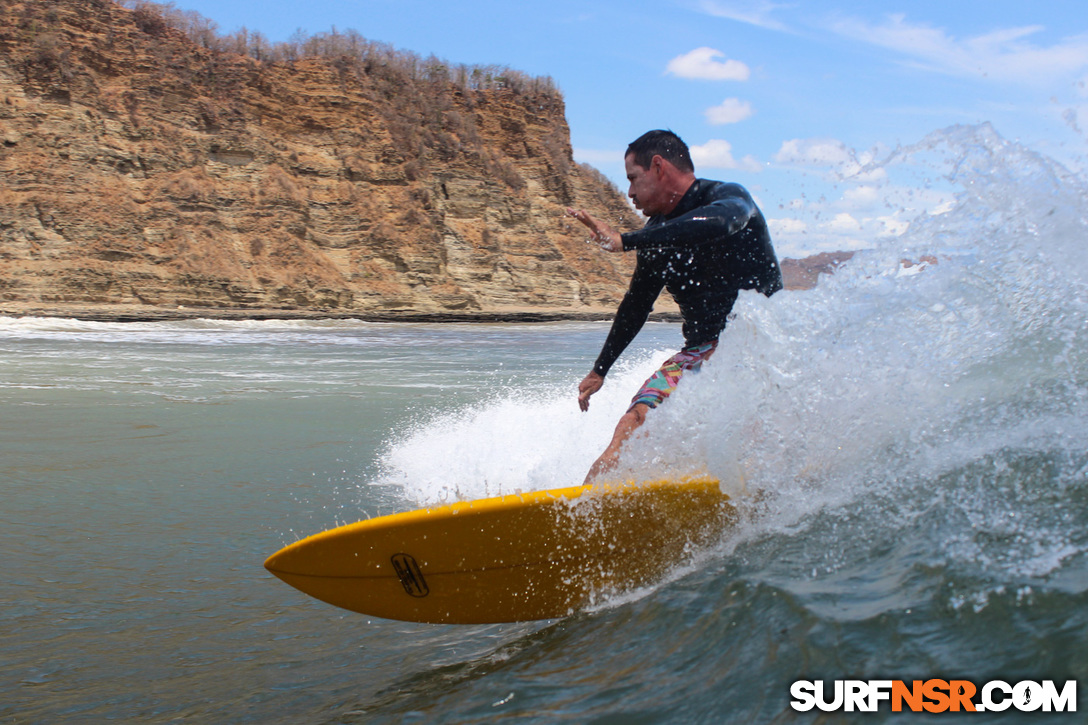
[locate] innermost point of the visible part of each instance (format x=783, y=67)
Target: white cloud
x=751, y=12
x=844, y=223
x=835, y=156
x=818, y=152
x=787, y=226
x=1003, y=55
x=862, y=197
x=731, y=110
x=892, y=226
x=705, y=64
x=718, y=154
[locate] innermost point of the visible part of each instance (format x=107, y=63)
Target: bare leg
x=628, y=424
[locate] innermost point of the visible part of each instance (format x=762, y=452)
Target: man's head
x=665, y=144
x=659, y=169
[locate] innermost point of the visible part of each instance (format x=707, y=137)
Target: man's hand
x=589, y=385
x=609, y=239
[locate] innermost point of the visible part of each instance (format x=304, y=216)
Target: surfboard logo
x=411, y=578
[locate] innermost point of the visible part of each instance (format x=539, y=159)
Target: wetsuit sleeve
x=632, y=314
x=707, y=223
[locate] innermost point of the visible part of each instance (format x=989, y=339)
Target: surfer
x=704, y=242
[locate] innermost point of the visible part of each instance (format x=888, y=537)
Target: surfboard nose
x=274, y=563
x=296, y=558
x=302, y=557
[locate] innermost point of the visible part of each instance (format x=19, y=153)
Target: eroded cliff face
x=139, y=168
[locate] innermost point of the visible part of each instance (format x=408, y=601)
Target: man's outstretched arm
x=704, y=225
x=609, y=239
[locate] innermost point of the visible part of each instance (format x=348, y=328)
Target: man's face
x=645, y=189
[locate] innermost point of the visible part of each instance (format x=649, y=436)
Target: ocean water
x=913, y=439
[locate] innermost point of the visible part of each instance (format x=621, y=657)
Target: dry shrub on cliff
x=206, y=255
x=48, y=65
x=149, y=19
x=191, y=185
x=50, y=51
x=277, y=184
x=377, y=57
x=155, y=18
x=503, y=170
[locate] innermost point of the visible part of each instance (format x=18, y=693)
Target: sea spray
x=972, y=313
x=527, y=438
x=930, y=393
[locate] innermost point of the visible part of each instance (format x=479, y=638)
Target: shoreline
x=148, y=313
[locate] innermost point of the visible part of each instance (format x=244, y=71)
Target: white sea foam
x=527, y=439
x=890, y=371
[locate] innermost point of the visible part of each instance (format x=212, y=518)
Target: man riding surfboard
x=704, y=242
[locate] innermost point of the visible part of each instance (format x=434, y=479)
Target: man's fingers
x=603, y=235
x=584, y=217
x=587, y=388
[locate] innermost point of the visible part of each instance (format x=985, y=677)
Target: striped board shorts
x=662, y=383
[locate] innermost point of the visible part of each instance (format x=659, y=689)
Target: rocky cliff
x=140, y=168
x=144, y=172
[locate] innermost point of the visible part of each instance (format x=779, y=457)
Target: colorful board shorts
x=662, y=383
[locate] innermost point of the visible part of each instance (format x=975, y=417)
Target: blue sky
x=784, y=97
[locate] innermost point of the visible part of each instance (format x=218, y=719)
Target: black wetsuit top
x=713, y=244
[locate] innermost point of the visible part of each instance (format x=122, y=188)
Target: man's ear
x=657, y=165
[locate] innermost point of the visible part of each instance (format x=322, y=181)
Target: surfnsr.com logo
x=934, y=696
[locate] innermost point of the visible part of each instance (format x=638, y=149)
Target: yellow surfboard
x=511, y=558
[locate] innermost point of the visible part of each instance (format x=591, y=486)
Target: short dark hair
x=665, y=144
